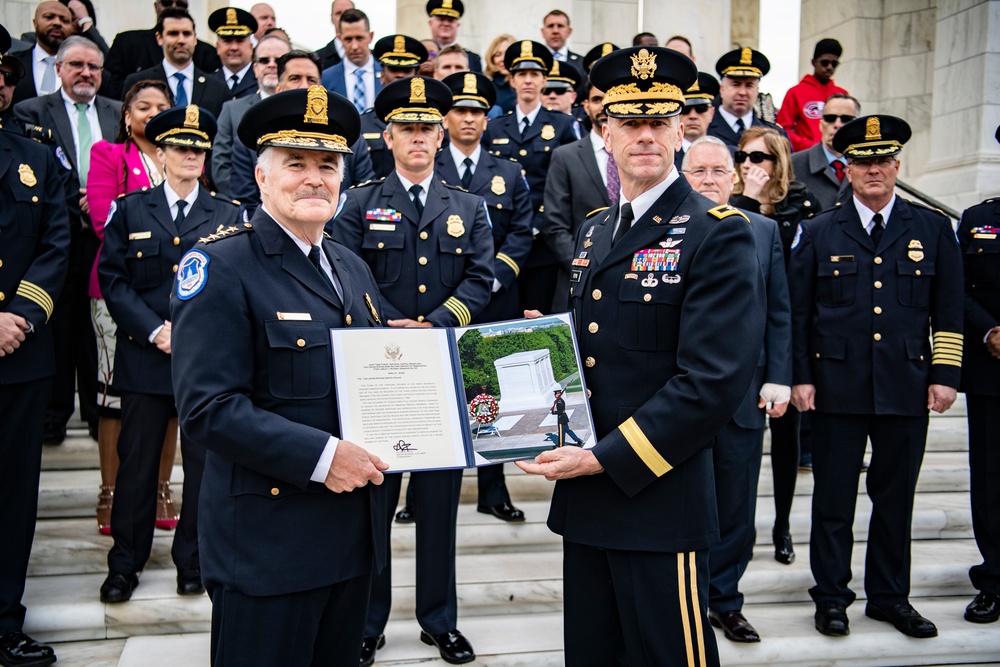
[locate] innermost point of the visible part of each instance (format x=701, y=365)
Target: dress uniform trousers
x=984, y=467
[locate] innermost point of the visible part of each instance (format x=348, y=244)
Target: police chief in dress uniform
x=34, y=226
x=529, y=134
x=660, y=284
x=147, y=233
x=980, y=244
x=291, y=528
x=400, y=57
x=430, y=248
x=869, y=280
x=464, y=162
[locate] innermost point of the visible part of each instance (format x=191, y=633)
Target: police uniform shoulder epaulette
x=226, y=232
x=513, y=160
x=366, y=183
x=453, y=187
x=925, y=206
x=224, y=198
x=596, y=211
x=134, y=193
x=725, y=211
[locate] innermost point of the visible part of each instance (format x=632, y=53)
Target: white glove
x=776, y=394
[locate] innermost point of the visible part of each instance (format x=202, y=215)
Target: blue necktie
x=181, y=97
x=359, y=91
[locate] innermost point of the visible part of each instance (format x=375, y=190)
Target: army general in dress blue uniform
x=292, y=524
x=669, y=302
x=869, y=280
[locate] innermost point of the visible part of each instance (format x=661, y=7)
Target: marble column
x=744, y=26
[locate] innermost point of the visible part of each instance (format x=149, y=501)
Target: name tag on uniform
x=841, y=258
x=370, y=136
x=984, y=236
x=502, y=141
x=138, y=236
x=295, y=317
x=376, y=227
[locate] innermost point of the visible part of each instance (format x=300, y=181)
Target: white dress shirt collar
x=188, y=71
x=38, y=56
x=731, y=119
x=228, y=73
x=173, y=198
x=600, y=154
x=866, y=214
x=306, y=248
x=642, y=203
x=425, y=184
x=459, y=158
x=532, y=115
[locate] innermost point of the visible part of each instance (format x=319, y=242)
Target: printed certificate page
x=396, y=396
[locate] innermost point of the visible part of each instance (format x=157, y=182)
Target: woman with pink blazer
x=116, y=169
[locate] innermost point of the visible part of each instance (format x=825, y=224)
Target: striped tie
x=359, y=91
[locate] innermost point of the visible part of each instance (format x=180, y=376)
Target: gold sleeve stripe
x=682, y=595
x=947, y=334
x=503, y=257
x=34, y=293
x=939, y=352
x=696, y=606
x=644, y=448
x=944, y=362
x=459, y=310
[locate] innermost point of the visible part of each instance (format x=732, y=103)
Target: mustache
x=314, y=192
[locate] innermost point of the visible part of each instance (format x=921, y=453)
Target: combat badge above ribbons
x=455, y=226
x=192, y=276
x=498, y=186
x=916, y=250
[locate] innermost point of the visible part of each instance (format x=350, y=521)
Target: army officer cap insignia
x=311, y=118
x=415, y=99
x=872, y=137
x=232, y=22
x=525, y=55
x=644, y=82
x=185, y=127
x=399, y=52
x=471, y=89
x=744, y=63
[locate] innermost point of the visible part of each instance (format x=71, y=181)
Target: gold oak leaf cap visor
x=644, y=81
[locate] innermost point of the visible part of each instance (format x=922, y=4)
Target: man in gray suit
x=577, y=185
x=708, y=167
x=821, y=168
x=265, y=67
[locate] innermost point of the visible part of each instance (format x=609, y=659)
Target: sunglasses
x=555, y=91
x=265, y=60
x=756, y=157
x=11, y=78
x=830, y=63
x=167, y=4
x=832, y=117
x=699, y=108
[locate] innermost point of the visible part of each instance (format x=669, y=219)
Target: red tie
x=838, y=168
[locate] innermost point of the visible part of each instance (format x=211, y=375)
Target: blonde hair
x=489, y=69
x=776, y=145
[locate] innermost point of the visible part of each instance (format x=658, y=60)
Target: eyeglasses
x=702, y=173
x=265, y=60
x=830, y=63
x=555, y=91
x=756, y=157
x=80, y=65
x=699, y=108
x=832, y=118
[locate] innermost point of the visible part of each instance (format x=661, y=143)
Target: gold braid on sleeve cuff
x=503, y=257
x=644, y=448
x=947, y=349
x=33, y=292
x=459, y=310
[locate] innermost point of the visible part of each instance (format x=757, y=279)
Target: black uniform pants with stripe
x=636, y=608
x=838, y=450
x=984, y=468
x=23, y=408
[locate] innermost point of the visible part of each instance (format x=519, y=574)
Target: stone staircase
x=509, y=580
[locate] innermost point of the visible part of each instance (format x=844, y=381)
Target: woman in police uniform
x=147, y=233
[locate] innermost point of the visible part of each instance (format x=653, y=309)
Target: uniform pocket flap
x=453, y=246
x=906, y=267
x=249, y=482
x=979, y=247
x=385, y=241
x=831, y=348
x=836, y=269
x=296, y=336
x=916, y=348
x=142, y=248
x=653, y=288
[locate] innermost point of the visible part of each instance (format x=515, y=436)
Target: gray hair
x=77, y=40
x=709, y=141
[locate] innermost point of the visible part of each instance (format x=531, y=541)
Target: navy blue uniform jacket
x=978, y=238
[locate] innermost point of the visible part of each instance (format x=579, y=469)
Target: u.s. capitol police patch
x=798, y=237
x=111, y=211
x=63, y=160
x=192, y=276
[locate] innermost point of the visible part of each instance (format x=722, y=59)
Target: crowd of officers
x=427, y=186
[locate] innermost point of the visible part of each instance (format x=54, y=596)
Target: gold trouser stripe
x=33, y=292
x=509, y=262
x=459, y=310
x=696, y=607
x=644, y=448
x=685, y=621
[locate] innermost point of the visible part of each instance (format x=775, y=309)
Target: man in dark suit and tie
x=78, y=118
x=234, y=28
x=53, y=22
x=444, y=23
x=357, y=76
x=555, y=31
x=739, y=72
x=333, y=52
x=821, y=168
x=190, y=84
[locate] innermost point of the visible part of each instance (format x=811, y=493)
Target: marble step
x=536, y=640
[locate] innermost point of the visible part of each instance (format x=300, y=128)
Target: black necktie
x=419, y=205
x=179, y=219
x=467, y=176
x=878, y=227
x=624, y=224
x=314, y=252
x=740, y=127
x=233, y=81
x=526, y=123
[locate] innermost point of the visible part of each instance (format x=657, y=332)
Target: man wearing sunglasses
x=559, y=93
x=740, y=72
x=803, y=106
x=697, y=113
x=821, y=168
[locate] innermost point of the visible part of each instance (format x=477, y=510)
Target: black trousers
x=636, y=608
x=736, y=457
x=492, y=486
x=838, y=450
x=435, y=501
x=785, y=450
x=144, y=425
x=984, y=468
x=316, y=628
x=537, y=286
x=23, y=408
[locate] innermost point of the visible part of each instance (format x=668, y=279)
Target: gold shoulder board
x=724, y=211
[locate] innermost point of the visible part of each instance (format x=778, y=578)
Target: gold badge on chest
x=498, y=186
x=548, y=132
x=27, y=175
x=916, y=250
x=455, y=226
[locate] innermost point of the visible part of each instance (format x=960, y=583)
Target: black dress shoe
x=735, y=626
x=784, y=552
x=189, y=582
x=984, y=609
x=118, y=587
x=19, y=650
x=406, y=515
x=904, y=617
x=504, y=511
x=368, y=647
x=831, y=619
x=454, y=648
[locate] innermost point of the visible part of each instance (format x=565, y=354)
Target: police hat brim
x=871, y=137
x=310, y=119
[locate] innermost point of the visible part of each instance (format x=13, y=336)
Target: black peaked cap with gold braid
x=703, y=92
x=872, y=137
x=526, y=54
x=311, y=118
x=415, y=99
x=12, y=63
x=447, y=8
x=400, y=51
x=187, y=127
x=232, y=22
x=471, y=90
x=564, y=75
x=597, y=53
x=745, y=62
x=644, y=81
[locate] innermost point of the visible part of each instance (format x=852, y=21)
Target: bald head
x=339, y=7
x=53, y=23
x=264, y=14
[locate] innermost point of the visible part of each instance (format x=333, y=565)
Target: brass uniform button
x=1, y=262
x=423, y=236
x=546, y=149
x=422, y=289
x=275, y=491
x=878, y=284
x=138, y=254
x=177, y=240
x=921, y=357
x=422, y=261
x=34, y=199
x=817, y=355
x=247, y=225
x=175, y=268
x=499, y=205
x=596, y=294
x=592, y=328
x=380, y=245
x=2, y=296
x=979, y=250
x=878, y=310
x=523, y=152
x=301, y=342
x=647, y=297
x=589, y=393
x=836, y=272
x=917, y=272
x=458, y=251
x=590, y=362
x=420, y=318
x=348, y=319
x=878, y=260
x=877, y=337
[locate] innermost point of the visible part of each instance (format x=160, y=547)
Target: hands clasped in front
x=354, y=467
x=12, y=330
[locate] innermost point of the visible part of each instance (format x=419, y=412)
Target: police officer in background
x=147, y=233
x=869, y=280
x=980, y=243
x=661, y=282
x=35, y=252
x=430, y=249
x=529, y=134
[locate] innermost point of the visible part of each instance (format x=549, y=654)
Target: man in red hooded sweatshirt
x=803, y=105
